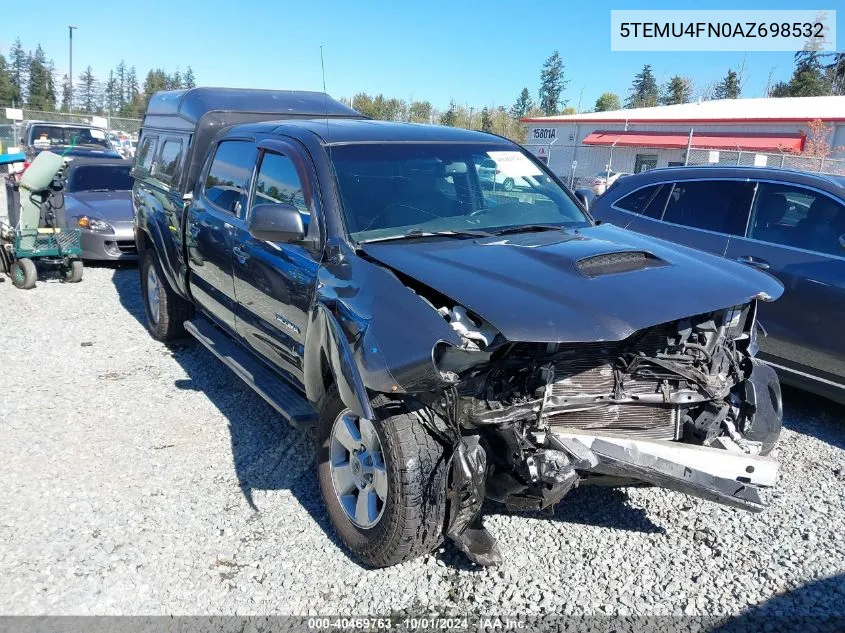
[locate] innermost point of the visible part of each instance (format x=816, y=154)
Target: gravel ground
x=141, y=479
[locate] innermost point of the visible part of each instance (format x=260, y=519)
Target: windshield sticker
x=98, y=134
x=514, y=164
x=41, y=142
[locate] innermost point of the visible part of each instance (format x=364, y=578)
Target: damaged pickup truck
x=453, y=341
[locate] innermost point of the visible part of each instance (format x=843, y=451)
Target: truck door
x=213, y=220
x=275, y=282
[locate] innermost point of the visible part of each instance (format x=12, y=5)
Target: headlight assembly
x=94, y=224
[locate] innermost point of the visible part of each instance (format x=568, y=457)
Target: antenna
x=325, y=94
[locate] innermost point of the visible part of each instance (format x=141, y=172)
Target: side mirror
x=488, y=163
x=276, y=223
x=585, y=196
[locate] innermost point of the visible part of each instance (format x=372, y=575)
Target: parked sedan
x=602, y=181
x=98, y=200
x=788, y=223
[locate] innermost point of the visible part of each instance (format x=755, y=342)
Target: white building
x=729, y=131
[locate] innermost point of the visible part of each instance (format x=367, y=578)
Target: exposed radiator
x=588, y=369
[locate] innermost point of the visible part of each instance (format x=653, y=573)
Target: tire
x=413, y=515
x=73, y=274
x=24, y=274
x=508, y=184
x=165, y=319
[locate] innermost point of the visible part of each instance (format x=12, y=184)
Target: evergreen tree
x=836, y=72
x=175, y=81
x=643, y=93
x=111, y=94
x=40, y=92
x=7, y=91
x=18, y=67
x=729, y=87
x=809, y=78
x=523, y=104
x=677, y=90
x=132, y=87
x=66, y=105
x=189, y=81
x=608, y=101
x=120, y=77
x=552, y=84
x=87, y=92
x=449, y=117
x=156, y=80
x=486, y=120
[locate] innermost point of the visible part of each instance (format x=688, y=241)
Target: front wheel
x=166, y=311
x=508, y=184
x=24, y=274
x=383, y=481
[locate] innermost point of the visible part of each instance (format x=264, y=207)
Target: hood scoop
x=619, y=262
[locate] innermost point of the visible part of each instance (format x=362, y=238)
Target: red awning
x=706, y=140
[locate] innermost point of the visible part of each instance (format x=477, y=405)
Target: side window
x=169, y=159
x=794, y=216
x=228, y=176
x=648, y=201
x=279, y=183
x=714, y=205
x=144, y=157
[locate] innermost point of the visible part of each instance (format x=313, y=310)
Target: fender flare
x=326, y=345
x=152, y=227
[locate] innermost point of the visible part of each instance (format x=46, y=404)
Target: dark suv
x=788, y=223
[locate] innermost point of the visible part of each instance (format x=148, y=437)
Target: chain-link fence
x=588, y=165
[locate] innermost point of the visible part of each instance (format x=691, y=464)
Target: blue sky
x=476, y=53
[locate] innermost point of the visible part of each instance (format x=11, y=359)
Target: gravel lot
x=141, y=479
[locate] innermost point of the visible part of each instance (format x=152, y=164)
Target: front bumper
x=117, y=246
x=724, y=476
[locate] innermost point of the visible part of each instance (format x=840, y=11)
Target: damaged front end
x=682, y=405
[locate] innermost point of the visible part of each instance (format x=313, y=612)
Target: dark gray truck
x=452, y=342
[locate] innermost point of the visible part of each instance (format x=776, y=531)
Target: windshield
x=390, y=190
x=46, y=136
x=99, y=178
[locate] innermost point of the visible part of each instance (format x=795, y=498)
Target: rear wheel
x=24, y=274
x=166, y=311
x=383, y=482
x=74, y=271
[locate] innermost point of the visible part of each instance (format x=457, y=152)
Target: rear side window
x=228, y=176
x=648, y=201
x=168, y=162
x=144, y=157
x=714, y=205
x=794, y=216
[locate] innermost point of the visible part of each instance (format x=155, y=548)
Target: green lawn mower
x=37, y=235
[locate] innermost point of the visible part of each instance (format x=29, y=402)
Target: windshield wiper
x=99, y=190
x=414, y=233
x=528, y=228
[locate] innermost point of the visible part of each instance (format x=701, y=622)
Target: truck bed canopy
x=203, y=112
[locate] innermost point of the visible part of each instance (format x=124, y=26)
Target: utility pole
x=70, y=71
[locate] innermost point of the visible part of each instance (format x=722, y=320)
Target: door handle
x=762, y=264
x=241, y=254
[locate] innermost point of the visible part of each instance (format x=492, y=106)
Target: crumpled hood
x=529, y=287
x=113, y=206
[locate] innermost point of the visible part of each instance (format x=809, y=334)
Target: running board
x=715, y=474
x=264, y=381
